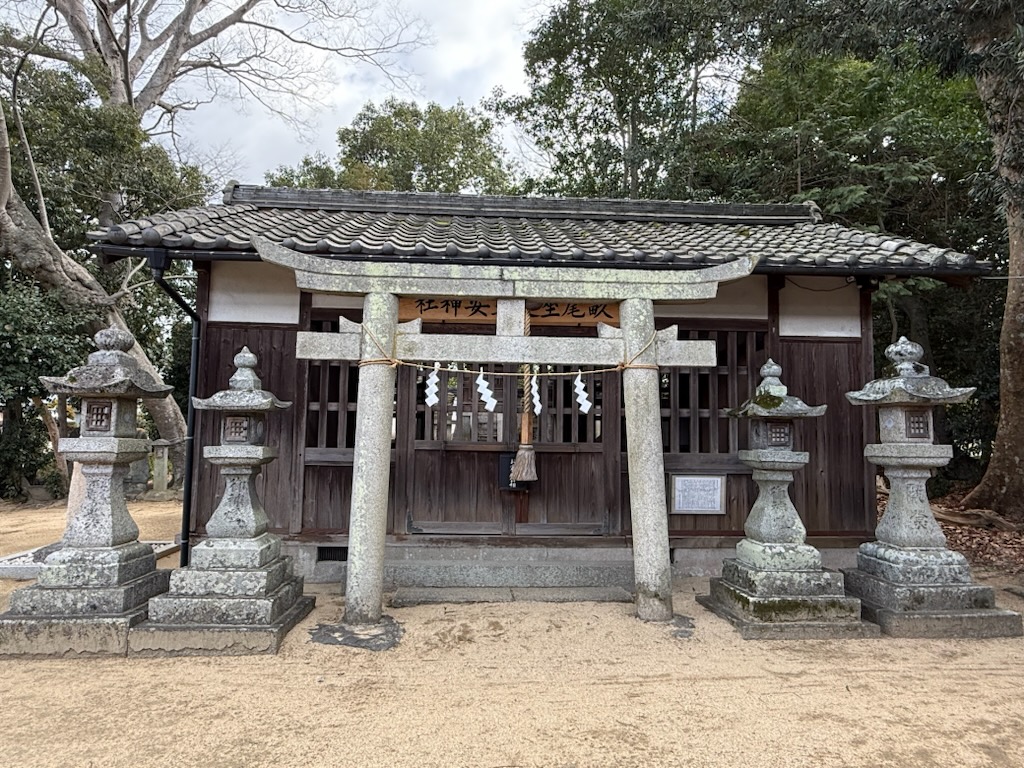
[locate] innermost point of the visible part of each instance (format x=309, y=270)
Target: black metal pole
x=158, y=263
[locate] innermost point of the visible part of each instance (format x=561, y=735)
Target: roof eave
x=110, y=253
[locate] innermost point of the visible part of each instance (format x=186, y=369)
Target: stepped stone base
x=223, y=609
x=83, y=602
x=50, y=636
x=237, y=602
x=154, y=639
x=785, y=604
x=935, y=610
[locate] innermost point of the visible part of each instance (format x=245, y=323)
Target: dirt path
x=519, y=684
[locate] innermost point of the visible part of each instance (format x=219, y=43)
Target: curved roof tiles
x=486, y=229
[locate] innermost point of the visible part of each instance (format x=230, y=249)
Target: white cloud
x=477, y=45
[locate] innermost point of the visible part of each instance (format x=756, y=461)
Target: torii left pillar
x=364, y=581
x=652, y=564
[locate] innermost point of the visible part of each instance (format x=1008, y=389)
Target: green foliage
x=617, y=91
x=37, y=337
x=400, y=146
x=23, y=448
x=177, y=366
x=884, y=147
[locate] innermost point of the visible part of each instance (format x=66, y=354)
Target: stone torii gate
x=381, y=339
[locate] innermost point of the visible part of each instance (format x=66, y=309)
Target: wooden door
x=452, y=454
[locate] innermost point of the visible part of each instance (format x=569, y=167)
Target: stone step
x=191, y=610
x=783, y=608
x=395, y=553
x=981, y=623
x=405, y=597
x=88, y=601
x=921, y=597
x=507, y=573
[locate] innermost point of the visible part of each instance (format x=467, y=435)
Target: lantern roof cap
x=771, y=399
x=913, y=383
x=109, y=372
x=245, y=393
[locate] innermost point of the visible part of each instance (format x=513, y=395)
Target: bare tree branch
x=141, y=53
x=40, y=33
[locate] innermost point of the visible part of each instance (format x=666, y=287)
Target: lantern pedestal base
x=926, y=593
x=154, y=639
x=77, y=621
x=785, y=604
x=50, y=636
x=241, y=592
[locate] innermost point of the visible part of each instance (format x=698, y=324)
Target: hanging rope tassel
x=524, y=468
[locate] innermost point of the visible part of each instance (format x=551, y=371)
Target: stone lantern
x=776, y=586
x=239, y=594
x=92, y=590
x=907, y=580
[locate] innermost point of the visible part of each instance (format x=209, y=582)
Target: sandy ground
x=517, y=684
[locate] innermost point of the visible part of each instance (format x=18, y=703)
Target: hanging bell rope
x=524, y=467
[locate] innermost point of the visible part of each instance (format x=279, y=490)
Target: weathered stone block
x=76, y=567
x=152, y=639
x=229, y=554
x=903, y=566
x=87, y=601
x=796, y=583
x=259, y=582
x=779, y=608
x=226, y=610
x=920, y=597
x=778, y=557
x=64, y=636
x=941, y=624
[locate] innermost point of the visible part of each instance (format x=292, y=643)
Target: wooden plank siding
x=280, y=482
x=829, y=492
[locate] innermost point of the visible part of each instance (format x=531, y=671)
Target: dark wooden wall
x=280, y=482
x=584, y=486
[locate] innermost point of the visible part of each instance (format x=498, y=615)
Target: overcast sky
x=477, y=45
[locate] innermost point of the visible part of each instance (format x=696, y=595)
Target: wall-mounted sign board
x=698, y=494
x=461, y=310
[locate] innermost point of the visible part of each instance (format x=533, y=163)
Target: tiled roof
x=486, y=229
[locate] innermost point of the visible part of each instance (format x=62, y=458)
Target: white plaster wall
x=819, y=306
x=253, y=292
x=744, y=299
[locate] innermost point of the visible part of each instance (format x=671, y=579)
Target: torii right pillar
x=908, y=582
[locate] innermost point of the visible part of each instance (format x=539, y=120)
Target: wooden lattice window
x=236, y=429
x=692, y=399
x=917, y=425
x=561, y=420
x=460, y=415
x=331, y=399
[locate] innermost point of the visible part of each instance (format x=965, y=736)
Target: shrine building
x=624, y=329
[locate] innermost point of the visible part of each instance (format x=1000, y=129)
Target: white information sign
x=698, y=494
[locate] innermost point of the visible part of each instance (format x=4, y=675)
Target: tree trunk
x=1002, y=487
x=1002, y=92
x=54, y=434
